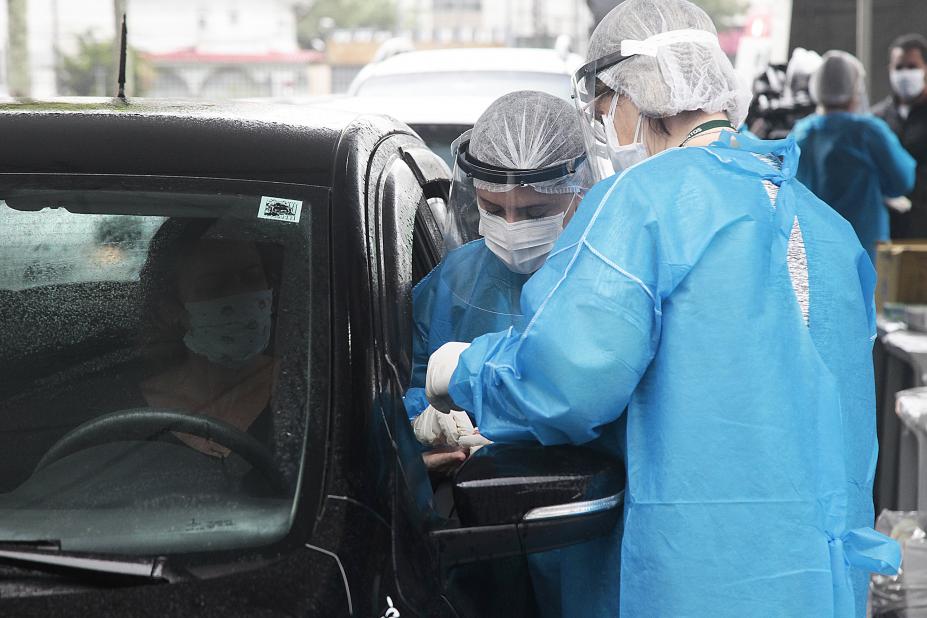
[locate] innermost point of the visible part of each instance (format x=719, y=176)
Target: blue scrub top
x=470, y=293
x=853, y=162
x=726, y=314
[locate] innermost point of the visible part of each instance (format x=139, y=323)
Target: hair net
x=529, y=130
x=666, y=77
x=839, y=80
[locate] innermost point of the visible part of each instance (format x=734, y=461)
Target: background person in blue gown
x=851, y=160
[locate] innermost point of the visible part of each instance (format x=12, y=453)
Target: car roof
x=242, y=141
x=414, y=110
x=478, y=59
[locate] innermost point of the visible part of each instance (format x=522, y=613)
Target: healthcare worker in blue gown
x=851, y=160
x=730, y=311
x=520, y=173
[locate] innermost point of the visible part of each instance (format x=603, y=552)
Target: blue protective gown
x=471, y=293
x=750, y=428
x=853, y=163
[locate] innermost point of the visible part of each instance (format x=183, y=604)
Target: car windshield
x=489, y=84
x=144, y=336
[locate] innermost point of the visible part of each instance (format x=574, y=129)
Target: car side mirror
x=520, y=499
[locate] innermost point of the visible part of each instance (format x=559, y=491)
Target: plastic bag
x=903, y=595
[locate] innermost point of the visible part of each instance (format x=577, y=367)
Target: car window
x=489, y=84
x=154, y=348
x=439, y=137
x=56, y=246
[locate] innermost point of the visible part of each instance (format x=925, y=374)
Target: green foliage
x=92, y=70
x=345, y=14
x=723, y=12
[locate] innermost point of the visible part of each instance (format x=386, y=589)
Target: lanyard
x=711, y=125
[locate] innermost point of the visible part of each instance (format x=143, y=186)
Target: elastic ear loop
x=611, y=133
x=639, y=131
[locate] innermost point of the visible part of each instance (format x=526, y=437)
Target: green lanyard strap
x=711, y=125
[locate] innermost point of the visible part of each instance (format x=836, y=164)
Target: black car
x=204, y=343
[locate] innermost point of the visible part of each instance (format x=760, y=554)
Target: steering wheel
x=154, y=424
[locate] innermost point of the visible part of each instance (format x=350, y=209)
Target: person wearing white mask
x=209, y=305
x=519, y=175
x=707, y=318
x=850, y=159
x=905, y=111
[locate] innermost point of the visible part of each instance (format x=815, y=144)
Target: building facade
x=195, y=48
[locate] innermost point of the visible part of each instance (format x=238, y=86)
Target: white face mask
x=230, y=331
x=908, y=84
x=522, y=246
x=623, y=157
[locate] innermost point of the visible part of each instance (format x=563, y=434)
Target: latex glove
x=441, y=367
x=473, y=441
x=898, y=204
x=467, y=435
x=435, y=428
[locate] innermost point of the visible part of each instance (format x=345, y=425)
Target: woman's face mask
x=524, y=245
x=230, y=331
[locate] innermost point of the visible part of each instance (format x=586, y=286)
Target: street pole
x=537, y=18
x=20, y=82
x=864, y=15
x=56, y=46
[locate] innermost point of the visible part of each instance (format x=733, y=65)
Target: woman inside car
x=209, y=305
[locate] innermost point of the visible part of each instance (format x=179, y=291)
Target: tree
x=344, y=14
x=723, y=12
x=92, y=71
x=18, y=57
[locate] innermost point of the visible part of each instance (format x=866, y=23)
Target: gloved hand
x=441, y=367
x=434, y=428
x=898, y=204
x=473, y=441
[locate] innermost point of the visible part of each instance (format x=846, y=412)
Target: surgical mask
x=522, y=246
x=908, y=84
x=623, y=157
x=230, y=331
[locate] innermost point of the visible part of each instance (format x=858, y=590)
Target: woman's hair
x=170, y=248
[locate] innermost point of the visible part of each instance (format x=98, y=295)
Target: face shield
x=519, y=212
x=596, y=105
x=669, y=73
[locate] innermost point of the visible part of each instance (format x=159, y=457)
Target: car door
x=407, y=242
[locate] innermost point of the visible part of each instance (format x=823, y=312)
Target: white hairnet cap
x=839, y=80
x=528, y=130
x=669, y=74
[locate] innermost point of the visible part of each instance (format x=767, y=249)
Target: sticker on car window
x=280, y=209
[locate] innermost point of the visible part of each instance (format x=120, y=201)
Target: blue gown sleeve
x=593, y=330
x=896, y=167
x=423, y=303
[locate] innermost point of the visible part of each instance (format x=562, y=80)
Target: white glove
x=435, y=428
x=898, y=204
x=441, y=367
x=473, y=441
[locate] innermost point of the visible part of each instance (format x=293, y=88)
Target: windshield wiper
x=48, y=556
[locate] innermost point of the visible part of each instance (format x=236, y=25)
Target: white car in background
x=441, y=93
